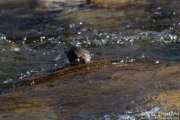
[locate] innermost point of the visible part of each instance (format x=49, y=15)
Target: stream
x=34, y=34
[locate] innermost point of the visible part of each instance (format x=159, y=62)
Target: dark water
x=33, y=37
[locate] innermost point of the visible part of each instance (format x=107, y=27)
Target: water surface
x=34, y=37
x=35, y=34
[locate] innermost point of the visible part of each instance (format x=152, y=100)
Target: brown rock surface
x=109, y=3
x=114, y=88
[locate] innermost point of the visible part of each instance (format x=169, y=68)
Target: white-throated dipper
x=78, y=55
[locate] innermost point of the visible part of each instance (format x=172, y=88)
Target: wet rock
x=106, y=2
x=98, y=92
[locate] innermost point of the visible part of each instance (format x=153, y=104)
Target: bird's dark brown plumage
x=78, y=55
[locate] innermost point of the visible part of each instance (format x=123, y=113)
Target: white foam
x=8, y=80
x=15, y=49
x=147, y=114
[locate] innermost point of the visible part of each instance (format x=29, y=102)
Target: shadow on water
x=134, y=72
x=27, y=19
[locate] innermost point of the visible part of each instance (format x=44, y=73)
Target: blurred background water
x=34, y=33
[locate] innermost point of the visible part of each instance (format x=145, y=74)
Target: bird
x=78, y=55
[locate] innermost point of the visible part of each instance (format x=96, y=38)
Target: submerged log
x=56, y=73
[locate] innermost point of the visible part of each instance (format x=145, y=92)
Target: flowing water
x=34, y=39
x=34, y=35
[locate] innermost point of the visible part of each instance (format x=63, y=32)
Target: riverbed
x=135, y=60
